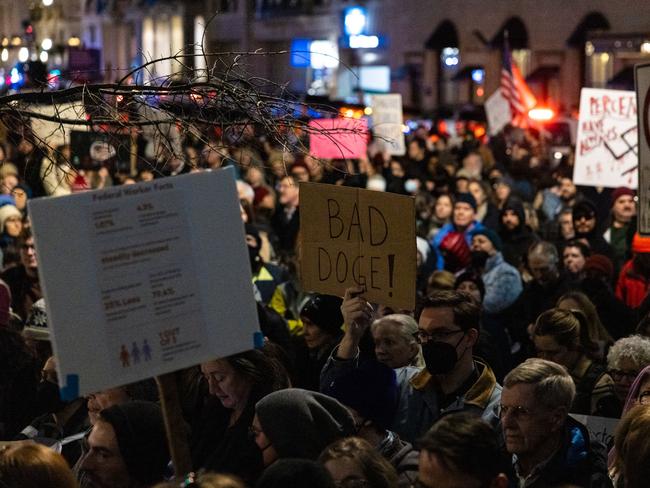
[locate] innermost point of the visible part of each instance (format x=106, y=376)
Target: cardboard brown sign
x=354, y=237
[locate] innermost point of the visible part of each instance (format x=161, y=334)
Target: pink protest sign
x=338, y=138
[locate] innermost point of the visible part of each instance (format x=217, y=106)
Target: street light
x=46, y=44
x=47, y=3
x=23, y=54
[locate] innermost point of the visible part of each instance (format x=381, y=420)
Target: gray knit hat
x=301, y=423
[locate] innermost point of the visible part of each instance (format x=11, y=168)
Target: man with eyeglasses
x=548, y=447
x=587, y=228
x=23, y=279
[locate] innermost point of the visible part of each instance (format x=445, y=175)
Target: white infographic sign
x=607, y=142
x=387, y=122
x=142, y=280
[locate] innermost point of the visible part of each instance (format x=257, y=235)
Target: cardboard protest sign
x=607, y=146
x=498, y=112
x=387, y=122
x=338, y=138
x=353, y=237
x=642, y=75
x=57, y=133
x=602, y=428
x=141, y=280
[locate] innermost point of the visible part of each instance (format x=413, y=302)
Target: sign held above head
x=352, y=237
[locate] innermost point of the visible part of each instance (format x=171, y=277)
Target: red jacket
x=631, y=287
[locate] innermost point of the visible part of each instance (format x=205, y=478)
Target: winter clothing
x=502, y=284
x=301, y=423
x=447, y=229
x=595, y=394
x=631, y=287
x=424, y=401
x=491, y=235
x=579, y=461
x=516, y=242
x=325, y=312
x=296, y=472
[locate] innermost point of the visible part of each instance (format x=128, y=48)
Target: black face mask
x=479, y=258
x=48, y=397
x=440, y=357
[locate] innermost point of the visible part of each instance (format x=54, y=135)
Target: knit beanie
x=474, y=278
x=6, y=212
x=466, y=198
x=301, y=423
x=140, y=432
x=370, y=389
x=296, y=473
x=325, y=312
x=491, y=235
x=36, y=326
x=517, y=206
x=640, y=244
x=601, y=264
x=621, y=191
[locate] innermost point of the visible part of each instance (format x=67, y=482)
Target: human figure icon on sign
x=135, y=353
x=146, y=350
x=124, y=357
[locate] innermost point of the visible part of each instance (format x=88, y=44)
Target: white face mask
x=411, y=186
x=376, y=184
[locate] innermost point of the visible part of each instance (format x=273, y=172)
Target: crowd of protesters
x=532, y=307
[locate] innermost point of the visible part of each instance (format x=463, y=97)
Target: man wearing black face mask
x=453, y=380
x=61, y=419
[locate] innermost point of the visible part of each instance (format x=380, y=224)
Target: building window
x=601, y=69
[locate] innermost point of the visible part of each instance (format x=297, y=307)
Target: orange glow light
x=541, y=114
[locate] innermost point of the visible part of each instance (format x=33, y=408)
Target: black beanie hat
x=301, y=423
x=370, y=389
x=140, y=432
x=467, y=198
x=325, y=312
x=297, y=473
x=517, y=206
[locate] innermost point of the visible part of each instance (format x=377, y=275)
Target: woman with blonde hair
x=562, y=336
x=34, y=466
x=576, y=300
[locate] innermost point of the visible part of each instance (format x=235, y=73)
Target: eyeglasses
x=644, y=398
x=584, y=216
x=422, y=336
x=517, y=411
x=619, y=375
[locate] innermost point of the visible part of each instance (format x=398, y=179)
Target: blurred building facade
x=436, y=54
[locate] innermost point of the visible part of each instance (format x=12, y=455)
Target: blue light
x=354, y=21
x=300, y=53
x=478, y=75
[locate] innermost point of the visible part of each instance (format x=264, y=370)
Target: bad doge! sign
x=354, y=237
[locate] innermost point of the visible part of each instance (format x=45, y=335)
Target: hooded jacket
x=516, y=242
x=581, y=461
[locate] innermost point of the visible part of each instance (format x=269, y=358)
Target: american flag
x=515, y=90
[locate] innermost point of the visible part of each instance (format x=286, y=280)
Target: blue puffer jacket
x=502, y=284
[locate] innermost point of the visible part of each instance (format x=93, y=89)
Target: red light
x=480, y=91
x=29, y=29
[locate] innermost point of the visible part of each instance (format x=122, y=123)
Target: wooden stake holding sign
x=354, y=237
x=179, y=448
